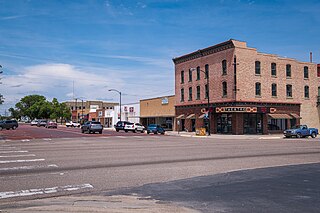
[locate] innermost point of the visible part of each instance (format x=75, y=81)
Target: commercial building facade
x=160, y=110
x=249, y=92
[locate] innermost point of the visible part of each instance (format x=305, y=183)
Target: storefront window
x=252, y=123
x=224, y=123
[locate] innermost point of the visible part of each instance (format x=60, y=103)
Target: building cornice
x=204, y=52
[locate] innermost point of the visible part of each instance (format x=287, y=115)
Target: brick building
x=249, y=92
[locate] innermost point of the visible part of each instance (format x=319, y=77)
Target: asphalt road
x=100, y=164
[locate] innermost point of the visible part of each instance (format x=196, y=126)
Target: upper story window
x=306, y=72
x=288, y=70
x=182, y=77
x=198, y=92
x=318, y=70
x=182, y=95
x=258, y=89
x=273, y=69
x=190, y=94
x=224, y=89
x=206, y=91
x=224, y=67
x=306, y=91
x=206, y=70
x=258, y=68
x=289, y=90
x=190, y=75
x=198, y=73
x=274, y=90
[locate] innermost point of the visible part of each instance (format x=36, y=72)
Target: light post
x=208, y=103
x=120, y=98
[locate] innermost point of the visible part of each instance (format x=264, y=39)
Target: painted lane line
x=26, y=167
x=121, y=136
x=21, y=161
x=8, y=146
x=47, y=139
x=56, y=189
x=25, y=140
x=16, y=156
x=5, y=152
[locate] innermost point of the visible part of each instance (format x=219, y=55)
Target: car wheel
x=155, y=133
x=134, y=130
x=126, y=130
x=142, y=131
x=162, y=133
x=14, y=127
x=148, y=133
x=1, y=128
x=117, y=130
x=90, y=131
x=313, y=135
x=299, y=135
x=100, y=132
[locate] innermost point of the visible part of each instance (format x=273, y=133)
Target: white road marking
x=47, y=139
x=56, y=189
x=13, y=156
x=121, y=136
x=26, y=167
x=8, y=146
x=25, y=140
x=5, y=152
x=21, y=161
x=138, y=136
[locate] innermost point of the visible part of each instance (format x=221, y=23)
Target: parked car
x=42, y=122
x=8, y=124
x=134, y=127
x=155, y=128
x=51, y=124
x=72, y=124
x=120, y=125
x=92, y=127
x=301, y=131
x=34, y=123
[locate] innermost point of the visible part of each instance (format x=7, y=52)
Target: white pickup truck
x=72, y=124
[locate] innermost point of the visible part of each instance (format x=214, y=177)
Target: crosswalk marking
x=56, y=189
x=16, y=156
x=5, y=152
x=21, y=161
x=27, y=167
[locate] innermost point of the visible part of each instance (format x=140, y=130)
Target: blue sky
x=46, y=45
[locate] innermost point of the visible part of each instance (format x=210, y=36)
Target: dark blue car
x=155, y=129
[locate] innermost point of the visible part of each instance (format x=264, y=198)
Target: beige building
x=249, y=92
x=158, y=111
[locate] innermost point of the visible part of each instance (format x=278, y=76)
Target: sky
x=82, y=48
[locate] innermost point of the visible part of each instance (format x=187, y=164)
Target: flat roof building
x=249, y=92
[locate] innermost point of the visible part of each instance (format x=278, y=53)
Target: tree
x=30, y=105
x=14, y=113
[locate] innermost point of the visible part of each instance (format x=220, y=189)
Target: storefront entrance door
x=224, y=123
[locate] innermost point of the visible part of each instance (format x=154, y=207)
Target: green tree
x=30, y=105
x=14, y=113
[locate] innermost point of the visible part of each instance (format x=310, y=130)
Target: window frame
x=190, y=94
x=273, y=69
x=306, y=72
x=206, y=70
x=274, y=90
x=182, y=77
x=306, y=92
x=206, y=88
x=182, y=95
x=288, y=71
x=224, y=67
x=198, y=73
x=258, y=89
x=190, y=75
x=224, y=89
x=257, y=65
x=289, y=93
x=198, y=93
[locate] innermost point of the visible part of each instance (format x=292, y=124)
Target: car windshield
x=95, y=122
x=152, y=125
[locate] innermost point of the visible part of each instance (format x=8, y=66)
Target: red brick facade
x=294, y=96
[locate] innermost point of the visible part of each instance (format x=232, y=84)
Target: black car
x=8, y=124
x=92, y=127
x=155, y=128
x=120, y=125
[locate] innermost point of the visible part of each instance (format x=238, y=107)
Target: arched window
x=273, y=69
x=224, y=67
x=198, y=92
x=288, y=71
x=306, y=72
x=257, y=68
x=306, y=91
x=224, y=89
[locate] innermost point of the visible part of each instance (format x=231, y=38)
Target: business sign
x=125, y=108
x=236, y=109
x=131, y=109
x=164, y=101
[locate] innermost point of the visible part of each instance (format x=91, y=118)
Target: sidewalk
x=223, y=136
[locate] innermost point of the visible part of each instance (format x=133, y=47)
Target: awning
x=202, y=116
x=180, y=116
x=191, y=116
x=294, y=115
x=280, y=116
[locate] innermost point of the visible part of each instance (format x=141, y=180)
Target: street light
x=208, y=104
x=120, y=98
